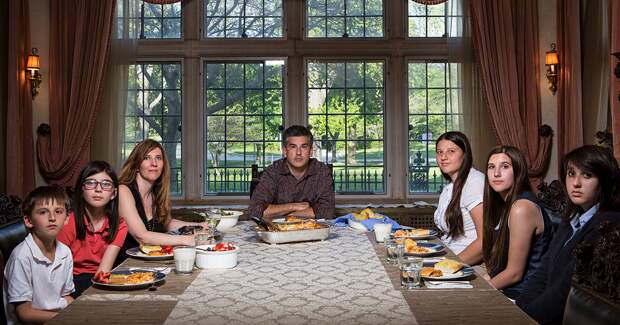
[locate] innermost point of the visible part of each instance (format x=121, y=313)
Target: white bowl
x=215, y=260
x=229, y=220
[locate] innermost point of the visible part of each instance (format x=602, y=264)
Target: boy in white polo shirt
x=39, y=274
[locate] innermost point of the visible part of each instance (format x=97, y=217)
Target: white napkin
x=448, y=284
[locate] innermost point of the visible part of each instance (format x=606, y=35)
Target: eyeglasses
x=91, y=184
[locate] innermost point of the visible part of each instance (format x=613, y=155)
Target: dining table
x=344, y=279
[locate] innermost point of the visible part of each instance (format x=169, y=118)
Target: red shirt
x=87, y=253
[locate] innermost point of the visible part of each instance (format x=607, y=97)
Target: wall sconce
x=617, y=69
x=32, y=68
x=553, y=68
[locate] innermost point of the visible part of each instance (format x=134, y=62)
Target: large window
x=427, y=20
x=433, y=109
x=242, y=18
x=235, y=73
x=243, y=118
x=344, y=18
x=154, y=111
x=159, y=21
x=345, y=101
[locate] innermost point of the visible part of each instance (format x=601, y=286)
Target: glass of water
x=410, y=268
x=391, y=251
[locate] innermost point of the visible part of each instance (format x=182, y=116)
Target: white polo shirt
x=30, y=276
x=471, y=196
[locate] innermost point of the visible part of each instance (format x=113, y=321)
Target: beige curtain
x=464, y=76
x=595, y=70
x=108, y=133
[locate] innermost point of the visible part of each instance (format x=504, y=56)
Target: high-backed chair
x=586, y=306
x=10, y=236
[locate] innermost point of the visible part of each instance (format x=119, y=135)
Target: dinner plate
x=136, y=253
x=462, y=273
x=159, y=276
x=432, y=233
x=435, y=248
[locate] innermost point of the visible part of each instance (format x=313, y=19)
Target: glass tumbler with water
x=410, y=268
x=391, y=248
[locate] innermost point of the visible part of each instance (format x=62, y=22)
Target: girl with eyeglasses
x=94, y=231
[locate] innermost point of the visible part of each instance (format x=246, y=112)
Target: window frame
x=202, y=26
x=395, y=48
x=304, y=17
x=203, y=61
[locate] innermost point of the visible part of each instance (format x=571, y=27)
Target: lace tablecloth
x=336, y=281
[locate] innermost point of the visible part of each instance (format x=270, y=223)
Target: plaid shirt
x=278, y=186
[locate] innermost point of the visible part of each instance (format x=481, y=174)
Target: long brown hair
x=453, y=215
x=496, y=210
x=161, y=188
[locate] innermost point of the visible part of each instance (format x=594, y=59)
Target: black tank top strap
x=135, y=192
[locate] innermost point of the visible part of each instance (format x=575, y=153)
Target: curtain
x=614, y=91
x=595, y=70
x=19, y=148
x=79, y=47
x=464, y=77
x=570, y=130
x=505, y=35
x=108, y=133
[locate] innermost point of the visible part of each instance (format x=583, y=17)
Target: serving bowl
x=215, y=259
x=229, y=220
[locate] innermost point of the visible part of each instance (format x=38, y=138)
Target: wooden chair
x=552, y=198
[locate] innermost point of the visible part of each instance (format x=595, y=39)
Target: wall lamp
x=553, y=68
x=617, y=69
x=32, y=68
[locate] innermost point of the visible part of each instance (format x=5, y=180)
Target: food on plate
x=156, y=250
x=417, y=232
x=449, y=266
x=431, y=272
x=410, y=245
x=304, y=225
x=419, y=250
x=123, y=279
x=359, y=217
x=293, y=219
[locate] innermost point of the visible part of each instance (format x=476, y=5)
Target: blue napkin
x=368, y=223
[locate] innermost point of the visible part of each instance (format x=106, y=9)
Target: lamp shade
x=33, y=61
x=551, y=58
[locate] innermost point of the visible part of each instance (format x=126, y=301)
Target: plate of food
x=415, y=233
x=151, y=252
x=414, y=248
x=127, y=280
x=446, y=269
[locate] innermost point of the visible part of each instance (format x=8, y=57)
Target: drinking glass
x=410, y=268
x=184, y=258
x=391, y=251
